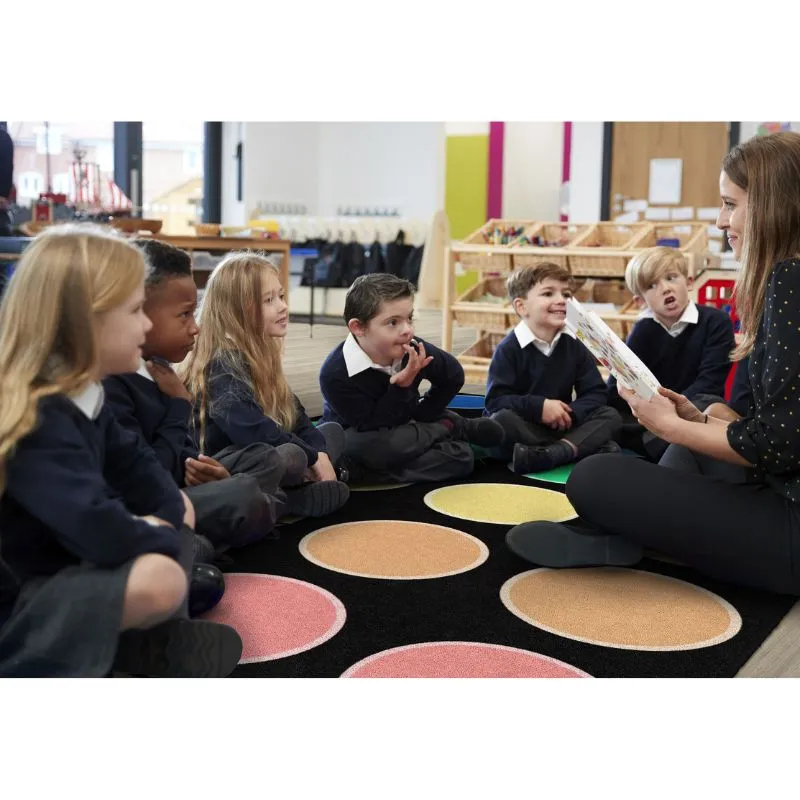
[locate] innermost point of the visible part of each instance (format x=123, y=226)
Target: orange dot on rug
x=500, y=503
x=623, y=608
x=461, y=660
x=393, y=549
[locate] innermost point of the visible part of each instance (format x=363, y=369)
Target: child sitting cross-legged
x=685, y=345
x=370, y=386
x=233, y=493
x=544, y=387
x=240, y=392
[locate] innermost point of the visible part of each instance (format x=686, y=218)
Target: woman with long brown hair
x=725, y=497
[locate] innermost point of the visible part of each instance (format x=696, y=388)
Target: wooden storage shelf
x=226, y=244
x=496, y=317
x=556, y=235
x=598, y=251
x=487, y=253
x=476, y=358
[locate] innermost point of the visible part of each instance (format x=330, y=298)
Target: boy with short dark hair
x=534, y=373
x=370, y=386
x=685, y=345
x=233, y=495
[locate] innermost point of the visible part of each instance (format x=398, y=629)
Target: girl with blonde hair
x=725, y=497
x=241, y=395
x=91, y=526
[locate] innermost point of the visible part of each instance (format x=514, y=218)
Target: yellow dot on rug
x=500, y=503
x=623, y=608
x=393, y=549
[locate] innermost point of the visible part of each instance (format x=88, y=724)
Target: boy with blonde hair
x=685, y=345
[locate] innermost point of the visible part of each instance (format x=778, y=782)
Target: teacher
x=725, y=497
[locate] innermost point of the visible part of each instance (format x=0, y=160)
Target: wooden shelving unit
x=599, y=251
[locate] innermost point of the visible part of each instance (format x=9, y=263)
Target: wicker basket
x=601, y=251
x=493, y=257
x=613, y=235
x=611, y=291
x=207, y=229
x=476, y=358
x=556, y=235
x=693, y=236
x=470, y=312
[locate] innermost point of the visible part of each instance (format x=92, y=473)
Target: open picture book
x=610, y=350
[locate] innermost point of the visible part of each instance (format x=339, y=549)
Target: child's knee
x=506, y=418
x=157, y=586
x=189, y=517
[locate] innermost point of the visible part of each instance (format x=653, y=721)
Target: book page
x=610, y=350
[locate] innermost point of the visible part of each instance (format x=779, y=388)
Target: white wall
x=281, y=164
x=327, y=165
x=384, y=165
x=586, y=172
x=532, y=167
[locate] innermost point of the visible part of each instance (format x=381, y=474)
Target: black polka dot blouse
x=770, y=437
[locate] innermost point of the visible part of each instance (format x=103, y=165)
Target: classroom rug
x=391, y=587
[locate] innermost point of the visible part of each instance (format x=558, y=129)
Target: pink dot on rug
x=276, y=616
x=461, y=660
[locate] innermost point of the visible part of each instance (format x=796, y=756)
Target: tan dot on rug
x=623, y=608
x=393, y=549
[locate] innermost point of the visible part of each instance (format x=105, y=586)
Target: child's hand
x=683, y=405
x=168, y=381
x=556, y=414
x=416, y=361
x=204, y=470
x=323, y=470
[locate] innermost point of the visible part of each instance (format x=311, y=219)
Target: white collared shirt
x=356, y=360
x=144, y=372
x=90, y=400
x=689, y=317
x=526, y=336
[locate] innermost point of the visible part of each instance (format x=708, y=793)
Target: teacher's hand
x=657, y=414
x=685, y=408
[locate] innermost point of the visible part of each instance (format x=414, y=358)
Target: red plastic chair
x=718, y=292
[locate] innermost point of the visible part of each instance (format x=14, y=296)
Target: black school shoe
x=206, y=587
x=553, y=544
x=179, y=648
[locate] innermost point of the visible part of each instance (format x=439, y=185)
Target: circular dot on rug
x=276, y=616
x=393, y=549
x=500, y=503
x=627, y=609
x=377, y=487
x=461, y=660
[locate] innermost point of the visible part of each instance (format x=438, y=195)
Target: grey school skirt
x=66, y=625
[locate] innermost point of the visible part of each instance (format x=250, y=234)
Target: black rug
x=383, y=614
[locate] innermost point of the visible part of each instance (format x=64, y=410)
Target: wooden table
x=225, y=244
x=213, y=244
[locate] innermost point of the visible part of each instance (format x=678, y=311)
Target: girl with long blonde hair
x=241, y=395
x=725, y=497
x=90, y=539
